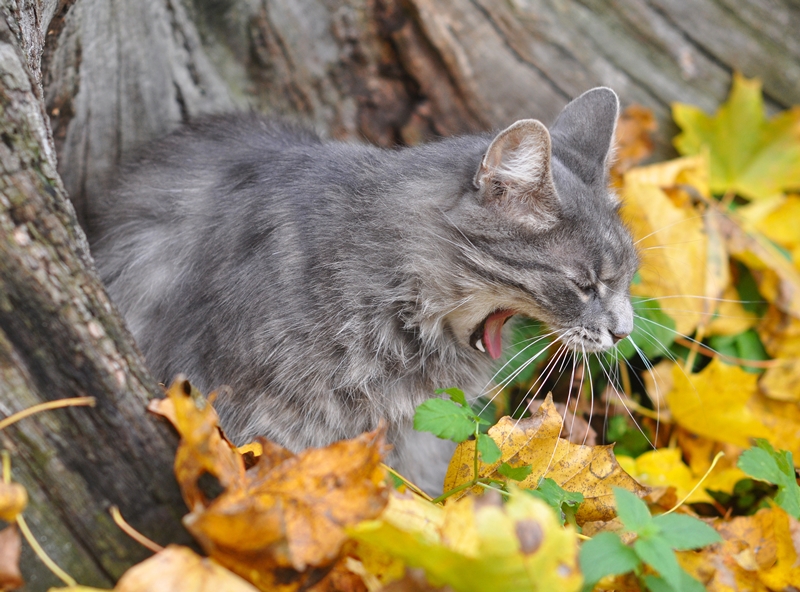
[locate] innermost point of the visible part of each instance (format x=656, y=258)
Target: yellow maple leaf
x=590, y=470
x=750, y=155
x=782, y=381
x=684, y=262
x=479, y=544
x=782, y=224
x=664, y=467
x=714, y=403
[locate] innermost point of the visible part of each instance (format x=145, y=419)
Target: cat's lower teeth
x=479, y=346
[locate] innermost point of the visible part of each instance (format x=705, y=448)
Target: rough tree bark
x=59, y=338
x=112, y=74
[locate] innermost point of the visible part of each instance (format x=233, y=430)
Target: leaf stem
x=74, y=402
x=132, y=532
x=26, y=532
x=719, y=455
x=408, y=483
x=461, y=487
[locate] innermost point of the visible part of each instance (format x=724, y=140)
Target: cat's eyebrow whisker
x=712, y=298
x=669, y=245
x=663, y=228
x=454, y=225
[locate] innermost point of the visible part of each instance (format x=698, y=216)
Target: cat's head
x=541, y=233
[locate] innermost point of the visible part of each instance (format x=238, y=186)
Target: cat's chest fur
x=333, y=285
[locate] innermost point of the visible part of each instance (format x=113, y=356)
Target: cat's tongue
x=493, y=332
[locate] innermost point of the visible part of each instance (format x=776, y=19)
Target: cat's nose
x=619, y=336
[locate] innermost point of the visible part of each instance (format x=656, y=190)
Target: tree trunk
x=113, y=74
x=60, y=337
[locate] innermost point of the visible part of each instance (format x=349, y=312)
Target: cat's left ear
x=583, y=134
x=515, y=172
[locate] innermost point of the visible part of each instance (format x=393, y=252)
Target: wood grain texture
x=60, y=337
x=119, y=73
x=404, y=70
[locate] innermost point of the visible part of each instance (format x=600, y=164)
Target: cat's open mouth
x=488, y=336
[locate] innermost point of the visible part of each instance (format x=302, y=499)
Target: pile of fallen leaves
x=696, y=489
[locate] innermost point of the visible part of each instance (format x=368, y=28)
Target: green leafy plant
x=454, y=419
x=657, y=539
x=565, y=503
x=764, y=463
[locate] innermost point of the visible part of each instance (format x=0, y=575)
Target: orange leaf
x=291, y=514
x=179, y=569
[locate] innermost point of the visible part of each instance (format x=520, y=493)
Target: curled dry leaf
x=479, y=544
x=279, y=524
x=633, y=140
x=202, y=450
x=590, y=470
x=10, y=549
x=759, y=553
x=291, y=515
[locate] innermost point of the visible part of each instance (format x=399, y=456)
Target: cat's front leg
x=422, y=458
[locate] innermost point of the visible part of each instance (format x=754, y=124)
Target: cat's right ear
x=515, y=172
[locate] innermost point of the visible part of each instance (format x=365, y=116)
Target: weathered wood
x=116, y=73
x=467, y=64
x=60, y=337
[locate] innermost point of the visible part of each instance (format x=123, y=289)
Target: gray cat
x=333, y=285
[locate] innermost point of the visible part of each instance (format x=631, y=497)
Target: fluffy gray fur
x=332, y=285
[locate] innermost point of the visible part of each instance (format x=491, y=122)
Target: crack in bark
x=520, y=58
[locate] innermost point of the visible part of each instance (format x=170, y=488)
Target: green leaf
x=684, y=532
x=653, y=331
x=688, y=584
x=629, y=439
x=656, y=553
x=456, y=395
x=444, y=419
x=515, y=473
x=489, y=451
x=750, y=155
x=767, y=464
x=746, y=345
x=632, y=511
x=605, y=555
x=565, y=503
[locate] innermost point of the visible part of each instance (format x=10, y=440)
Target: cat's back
x=185, y=208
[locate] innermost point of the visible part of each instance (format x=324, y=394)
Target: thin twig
x=132, y=532
x=720, y=454
x=74, y=402
x=710, y=353
x=408, y=483
x=26, y=532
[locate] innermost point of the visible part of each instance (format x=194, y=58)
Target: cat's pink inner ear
x=518, y=158
x=493, y=332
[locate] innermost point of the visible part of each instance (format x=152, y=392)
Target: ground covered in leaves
x=666, y=465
